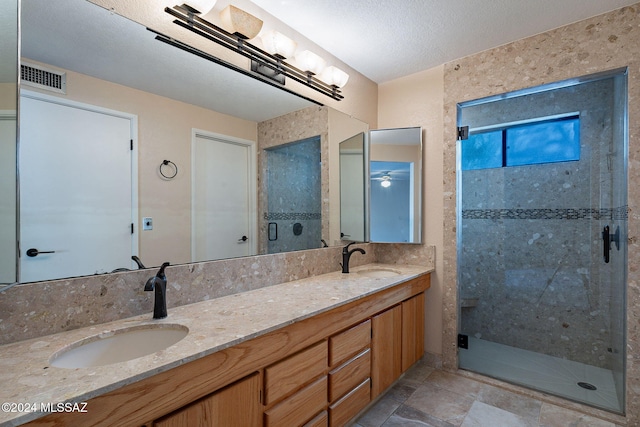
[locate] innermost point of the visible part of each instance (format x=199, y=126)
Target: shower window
x=524, y=143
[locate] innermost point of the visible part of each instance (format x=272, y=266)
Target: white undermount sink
x=379, y=272
x=119, y=345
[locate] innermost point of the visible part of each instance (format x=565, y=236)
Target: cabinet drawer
x=348, y=343
x=349, y=406
x=290, y=374
x=349, y=375
x=321, y=420
x=299, y=408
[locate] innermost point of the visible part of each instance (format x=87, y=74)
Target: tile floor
x=433, y=398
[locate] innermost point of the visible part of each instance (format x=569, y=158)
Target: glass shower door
x=541, y=175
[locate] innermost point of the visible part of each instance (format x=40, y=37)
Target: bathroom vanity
x=311, y=352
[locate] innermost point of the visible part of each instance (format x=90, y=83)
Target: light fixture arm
x=188, y=20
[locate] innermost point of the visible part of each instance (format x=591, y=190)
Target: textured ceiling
x=388, y=39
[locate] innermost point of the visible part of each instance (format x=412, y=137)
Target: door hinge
x=131, y=228
x=463, y=341
x=463, y=133
x=131, y=145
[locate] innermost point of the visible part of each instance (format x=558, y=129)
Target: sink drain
x=587, y=386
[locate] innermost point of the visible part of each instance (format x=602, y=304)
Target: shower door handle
x=607, y=239
x=606, y=243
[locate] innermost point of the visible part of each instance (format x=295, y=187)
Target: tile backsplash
x=43, y=308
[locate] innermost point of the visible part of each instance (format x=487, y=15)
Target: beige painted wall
x=417, y=100
x=164, y=132
x=8, y=93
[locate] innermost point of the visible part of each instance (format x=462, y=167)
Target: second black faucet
x=346, y=255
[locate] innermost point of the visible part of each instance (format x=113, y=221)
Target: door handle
x=243, y=239
x=34, y=252
x=607, y=239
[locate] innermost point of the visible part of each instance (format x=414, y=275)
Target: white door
x=223, y=198
x=75, y=191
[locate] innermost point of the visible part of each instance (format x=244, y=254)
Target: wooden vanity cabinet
x=235, y=405
x=349, y=378
x=320, y=371
x=295, y=389
x=397, y=342
x=386, y=342
x=412, y=330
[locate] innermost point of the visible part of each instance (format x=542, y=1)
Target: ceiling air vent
x=43, y=78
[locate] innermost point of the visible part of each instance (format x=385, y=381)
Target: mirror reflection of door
x=352, y=189
x=223, y=198
x=395, y=161
x=76, y=203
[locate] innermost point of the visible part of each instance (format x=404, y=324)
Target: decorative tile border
x=619, y=213
x=285, y=216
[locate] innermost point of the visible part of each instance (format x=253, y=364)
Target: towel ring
x=173, y=166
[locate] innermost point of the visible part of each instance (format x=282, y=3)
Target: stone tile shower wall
x=294, y=196
x=311, y=122
x=531, y=244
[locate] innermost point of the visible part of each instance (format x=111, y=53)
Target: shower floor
x=541, y=372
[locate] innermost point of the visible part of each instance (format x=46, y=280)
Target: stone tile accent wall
x=602, y=43
x=297, y=126
x=293, y=196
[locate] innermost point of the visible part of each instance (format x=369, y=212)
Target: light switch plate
x=147, y=223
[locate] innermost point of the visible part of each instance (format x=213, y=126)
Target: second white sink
x=119, y=345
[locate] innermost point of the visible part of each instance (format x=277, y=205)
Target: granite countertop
x=213, y=325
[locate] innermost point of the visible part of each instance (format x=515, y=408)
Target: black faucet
x=346, y=255
x=137, y=261
x=159, y=284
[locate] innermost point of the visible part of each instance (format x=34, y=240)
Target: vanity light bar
x=265, y=64
x=197, y=52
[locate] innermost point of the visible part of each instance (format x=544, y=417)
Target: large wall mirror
x=170, y=110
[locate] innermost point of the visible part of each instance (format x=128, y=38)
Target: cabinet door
x=235, y=405
x=412, y=330
x=386, y=348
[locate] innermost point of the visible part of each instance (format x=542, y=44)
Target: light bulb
x=237, y=21
x=334, y=76
x=278, y=44
x=386, y=183
x=309, y=61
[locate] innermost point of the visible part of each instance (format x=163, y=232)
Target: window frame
x=504, y=127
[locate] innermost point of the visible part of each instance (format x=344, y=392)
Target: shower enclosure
x=542, y=247
x=294, y=196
